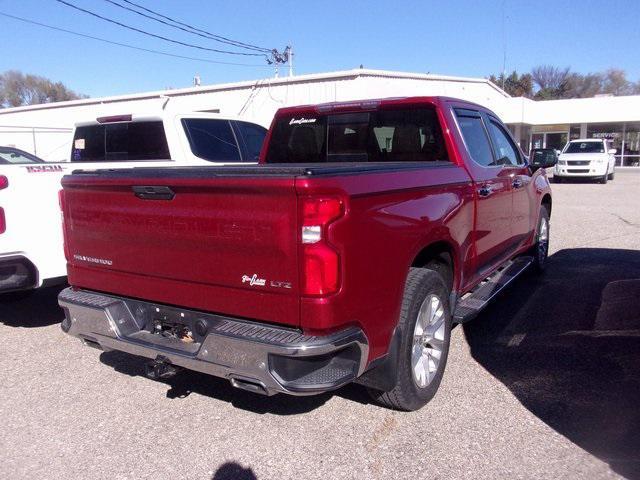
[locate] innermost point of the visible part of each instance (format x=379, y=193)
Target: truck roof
x=151, y=116
x=372, y=104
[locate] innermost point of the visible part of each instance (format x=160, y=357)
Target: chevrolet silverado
x=368, y=229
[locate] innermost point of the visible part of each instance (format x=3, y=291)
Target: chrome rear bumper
x=254, y=356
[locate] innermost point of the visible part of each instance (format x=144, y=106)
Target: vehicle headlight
x=562, y=162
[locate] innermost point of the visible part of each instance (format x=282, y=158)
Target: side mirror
x=613, y=151
x=543, y=158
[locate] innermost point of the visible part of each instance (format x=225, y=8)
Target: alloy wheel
x=428, y=341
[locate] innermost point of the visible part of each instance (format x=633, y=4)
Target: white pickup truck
x=586, y=158
x=31, y=247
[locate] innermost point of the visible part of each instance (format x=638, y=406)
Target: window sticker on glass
x=79, y=143
x=300, y=121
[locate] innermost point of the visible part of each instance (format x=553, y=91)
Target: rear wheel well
x=546, y=203
x=438, y=257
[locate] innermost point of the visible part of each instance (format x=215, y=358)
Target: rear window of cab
x=123, y=141
x=393, y=135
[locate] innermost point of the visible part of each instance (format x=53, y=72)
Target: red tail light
x=64, y=232
x=320, y=261
x=4, y=183
x=114, y=119
x=61, y=200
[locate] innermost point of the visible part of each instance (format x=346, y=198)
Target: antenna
x=504, y=47
x=290, y=59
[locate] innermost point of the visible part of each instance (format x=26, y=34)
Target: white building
x=45, y=129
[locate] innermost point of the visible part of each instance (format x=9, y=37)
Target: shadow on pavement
x=234, y=471
x=187, y=382
x=38, y=308
x=567, y=345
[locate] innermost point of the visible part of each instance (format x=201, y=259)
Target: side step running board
x=472, y=303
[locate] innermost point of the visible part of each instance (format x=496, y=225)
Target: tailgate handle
x=150, y=192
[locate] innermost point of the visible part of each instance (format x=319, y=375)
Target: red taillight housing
x=64, y=232
x=61, y=200
x=320, y=261
x=4, y=183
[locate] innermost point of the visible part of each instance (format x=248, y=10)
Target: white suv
x=586, y=158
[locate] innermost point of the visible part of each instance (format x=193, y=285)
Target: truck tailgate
x=214, y=243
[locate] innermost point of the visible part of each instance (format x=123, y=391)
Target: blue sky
x=455, y=37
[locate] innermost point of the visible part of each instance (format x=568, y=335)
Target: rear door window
x=126, y=141
x=475, y=137
x=212, y=139
x=388, y=135
x=253, y=137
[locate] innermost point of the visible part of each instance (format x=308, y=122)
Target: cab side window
x=506, y=152
x=253, y=136
x=475, y=137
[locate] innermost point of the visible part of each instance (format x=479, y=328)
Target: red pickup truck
x=368, y=229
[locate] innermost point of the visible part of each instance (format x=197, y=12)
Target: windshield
x=10, y=155
x=584, y=147
x=399, y=135
x=126, y=141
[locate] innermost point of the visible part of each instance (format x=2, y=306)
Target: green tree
x=18, y=89
x=514, y=84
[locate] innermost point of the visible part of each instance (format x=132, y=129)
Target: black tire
x=407, y=395
x=540, y=250
x=603, y=179
x=612, y=175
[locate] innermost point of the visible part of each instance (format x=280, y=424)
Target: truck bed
x=264, y=170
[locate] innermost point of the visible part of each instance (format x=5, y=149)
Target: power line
x=181, y=26
x=158, y=52
x=177, y=42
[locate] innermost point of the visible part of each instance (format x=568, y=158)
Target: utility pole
x=290, y=60
x=276, y=58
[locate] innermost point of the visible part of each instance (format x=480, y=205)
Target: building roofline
x=315, y=77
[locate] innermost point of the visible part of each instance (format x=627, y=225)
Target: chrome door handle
x=517, y=183
x=485, y=190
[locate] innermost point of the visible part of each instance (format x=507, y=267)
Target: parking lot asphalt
x=543, y=384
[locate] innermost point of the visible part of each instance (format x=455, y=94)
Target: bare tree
x=18, y=89
x=584, y=86
x=549, y=77
x=615, y=83
x=552, y=82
